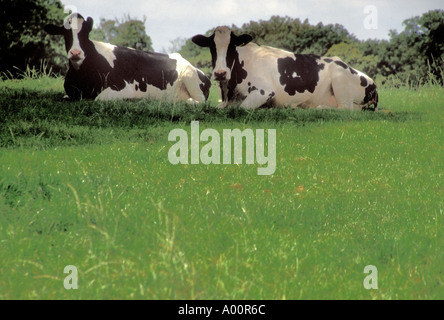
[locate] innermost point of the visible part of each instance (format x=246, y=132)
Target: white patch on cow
x=132, y=91
x=110, y=94
x=188, y=80
x=295, y=75
x=175, y=56
x=107, y=51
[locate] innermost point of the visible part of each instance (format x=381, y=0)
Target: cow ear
x=89, y=23
x=242, y=40
x=54, y=30
x=201, y=40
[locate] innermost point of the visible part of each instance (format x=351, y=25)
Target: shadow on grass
x=44, y=119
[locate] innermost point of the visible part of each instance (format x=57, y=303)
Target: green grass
x=89, y=184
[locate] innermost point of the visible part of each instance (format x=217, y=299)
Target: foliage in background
x=296, y=36
x=127, y=32
x=23, y=42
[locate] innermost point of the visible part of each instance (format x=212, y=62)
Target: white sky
x=170, y=19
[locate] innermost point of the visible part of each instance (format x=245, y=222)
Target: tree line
x=414, y=56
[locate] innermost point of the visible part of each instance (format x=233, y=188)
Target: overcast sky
x=167, y=20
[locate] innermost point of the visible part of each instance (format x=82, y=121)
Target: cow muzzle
x=76, y=57
x=220, y=75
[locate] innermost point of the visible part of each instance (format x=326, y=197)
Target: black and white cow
x=256, y=75
x=103, y=71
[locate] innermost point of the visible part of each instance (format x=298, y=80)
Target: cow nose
x=220, y=75
x=75, y=53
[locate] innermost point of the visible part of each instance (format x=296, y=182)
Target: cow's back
x=146, y=68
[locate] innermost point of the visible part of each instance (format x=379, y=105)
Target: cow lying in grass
x=252, y=76
x=104, y=71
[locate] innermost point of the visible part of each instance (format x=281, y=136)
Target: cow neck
x=238, y=73
x=93, y=59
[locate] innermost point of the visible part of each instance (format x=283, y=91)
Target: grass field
x=89, y=184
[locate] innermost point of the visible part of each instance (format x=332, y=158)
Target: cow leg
x=342, y=95
x=323, y=107
x=343, y=91
x=193, y=85
x=222, y=105
x=257, y=98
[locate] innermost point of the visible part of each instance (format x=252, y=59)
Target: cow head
x=76, y=31
x=222, y=44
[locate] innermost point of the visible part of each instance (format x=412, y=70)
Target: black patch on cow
x=251, y=89
x=69, y=40
x=213, y=51
x=238, y=73
x=205, y=85
x=328, y=60
x=353, y=71
x=341, y=64
x=223, y=90
x=147, y=68
x=371, y=95
x=299, y=75
x=363, y=81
